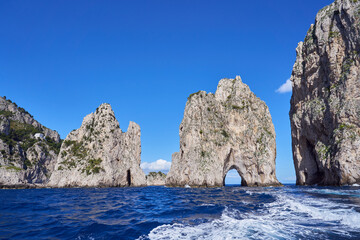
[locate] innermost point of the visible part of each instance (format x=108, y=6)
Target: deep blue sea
x=231, y=212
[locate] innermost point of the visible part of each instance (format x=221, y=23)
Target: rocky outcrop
x=25, y=160
x=155, y=179
x=231, y=129
x=99, y=154
x=325, y=105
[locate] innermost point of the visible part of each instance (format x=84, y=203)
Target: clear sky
x=61, y=59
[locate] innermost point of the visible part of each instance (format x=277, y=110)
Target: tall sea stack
x=231, y=129
x=325, y=105
x=99, y=154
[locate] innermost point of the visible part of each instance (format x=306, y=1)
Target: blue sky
x=61, y=59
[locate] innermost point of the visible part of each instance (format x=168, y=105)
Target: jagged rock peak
x=27, y=149
x=100, y=154
x=325, y=104
x=231, y=129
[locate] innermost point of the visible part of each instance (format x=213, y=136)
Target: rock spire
x=99, y=154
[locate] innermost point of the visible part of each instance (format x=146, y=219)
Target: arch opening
x=128, y=177
x=232, y=178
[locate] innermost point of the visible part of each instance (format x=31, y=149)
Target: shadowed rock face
x=325, y=105
x=24, y=159
x=229, y=130
x=99, y=154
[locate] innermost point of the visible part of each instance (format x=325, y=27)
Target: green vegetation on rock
x=93, y=167
x=20, y=132
x=77, y=149
x=155, y=174
x=224, y=133
x=6, y=113
x=193, y=94
x=17, y=169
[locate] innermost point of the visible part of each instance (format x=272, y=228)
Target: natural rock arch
x=230, y=164
x=231, y=128
x=233, y=167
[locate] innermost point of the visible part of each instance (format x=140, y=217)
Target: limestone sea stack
x=28, y=150
x=231, y=129
x=325, y=104
x=99, y=154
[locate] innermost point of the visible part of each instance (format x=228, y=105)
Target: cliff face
x=229, y=130
x=28, y=150
x=325, y=105
x=100, y=154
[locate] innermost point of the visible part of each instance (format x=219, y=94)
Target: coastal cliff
x=99, y=154
x=28, y=150
x=231, y=129
x=325, y=104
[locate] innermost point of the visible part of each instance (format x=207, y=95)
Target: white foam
x=207, y=205
x=324, y=210
x=226, y=227
x=344, y=192
x=249, y=192
x=356, y=185
x=289, y=217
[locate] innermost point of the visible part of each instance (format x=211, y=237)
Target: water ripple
x=288, y=212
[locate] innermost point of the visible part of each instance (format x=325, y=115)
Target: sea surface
x=231, y=212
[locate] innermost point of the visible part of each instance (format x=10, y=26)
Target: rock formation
x=325, y=105
x=99, y=154
x=28, y=150
x=155, y=179
x=231, y=129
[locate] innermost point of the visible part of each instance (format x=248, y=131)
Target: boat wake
x=289, y=216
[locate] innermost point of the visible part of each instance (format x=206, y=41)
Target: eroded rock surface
x=325, y=105
x=99, y=154
x=231, y=129
x=25, y=159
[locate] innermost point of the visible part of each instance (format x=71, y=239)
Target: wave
x=288, y=217
x=343, y=192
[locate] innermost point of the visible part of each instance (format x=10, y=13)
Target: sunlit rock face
x=231, y=129
x=325, y=105
x=99, y=154
x=25, y=158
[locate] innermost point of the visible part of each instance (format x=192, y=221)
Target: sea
x=230, y=212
